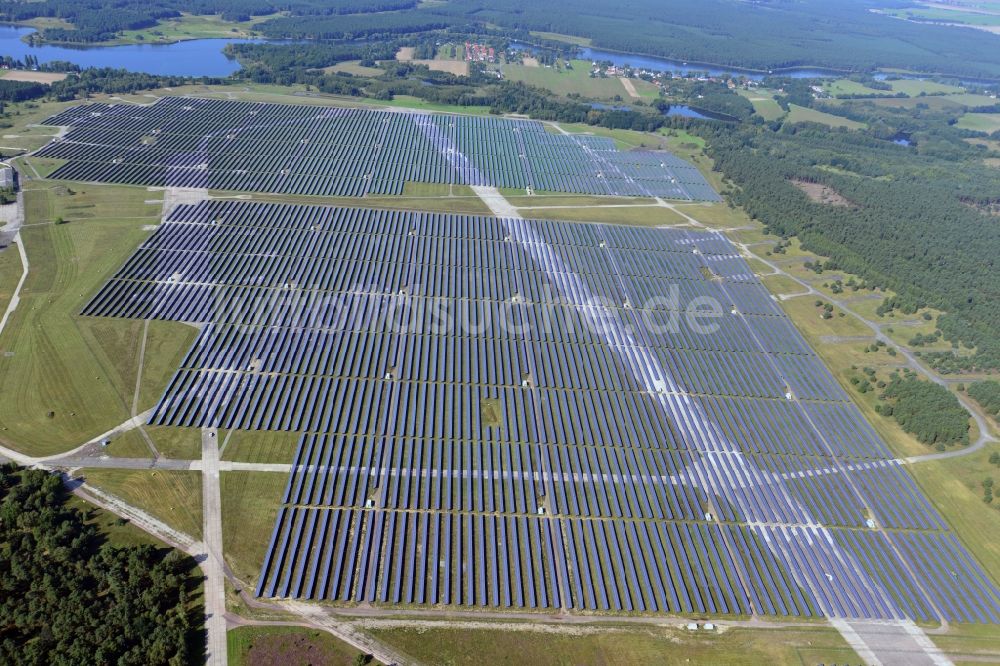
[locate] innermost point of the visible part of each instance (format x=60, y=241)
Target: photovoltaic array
x=297, y=149
x=520, y=414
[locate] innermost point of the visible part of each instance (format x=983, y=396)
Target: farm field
x=916, y=87
x=35, y=77
x=569, y=39
x=191, y=26
x=764, y=103
x=839, y=87
x=576, y=79
x=953, y=15
x=800, y=114
x=353, y=67
x=980, y=122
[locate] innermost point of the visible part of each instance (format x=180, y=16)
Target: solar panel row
x=588, y=461
x=228, y=145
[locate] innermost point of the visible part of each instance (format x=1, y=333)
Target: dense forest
x=101, y=20
x=987, y=394
x=69, y=597
x=928, y=411
x=910, y=230
x=841, y=35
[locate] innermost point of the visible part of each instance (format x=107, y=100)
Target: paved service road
x=215, y=592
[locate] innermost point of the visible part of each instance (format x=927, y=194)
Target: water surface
x=195, y=57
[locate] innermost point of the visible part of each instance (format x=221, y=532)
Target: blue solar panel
x=597, y=460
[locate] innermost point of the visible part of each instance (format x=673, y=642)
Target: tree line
x=928, y=411
x=67, y=596
x=909, y=230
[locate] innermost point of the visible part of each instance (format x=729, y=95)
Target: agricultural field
x=955, y=14
x=191, y=26
x=801, y=114
x=569, y=39
x=340, y=154
x=980, y=122
x=763, y=103
x=917, y=87
x=846, y=87
x=573, y=77
x=354, y=67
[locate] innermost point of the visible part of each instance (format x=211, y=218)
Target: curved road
x=985, y=434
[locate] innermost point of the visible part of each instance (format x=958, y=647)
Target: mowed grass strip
x=10, y=274
x=64, y=378
x=637, y=215
x=259, y=446
x=172, y=496
x=250, y=502
x=618, y=646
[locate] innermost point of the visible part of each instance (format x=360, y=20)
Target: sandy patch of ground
x=405, y=53
x=629, y=87
x=456, y=67
x=819, y=193
x=530, y=62
x=987, y=208
x=34, y=77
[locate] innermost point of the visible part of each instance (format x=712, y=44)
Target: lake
x=196, y=57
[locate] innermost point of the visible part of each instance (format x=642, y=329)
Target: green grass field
x=846, y=87
x=354, y=67
x=555, y=36
x=190, y=26
x=980, y=122
x=250, y=502
x=763, y=103
x=259, y=446
x=947, y=15
x=255, y=646
x=953, y=486
x=619, y=646
x=781, y=284
x=171, y=496
x=563, y=81
x=970, y=99
x=66, y=378
x=646, y=216
x=10, y=273
x=914, y=87
x=801, y=114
